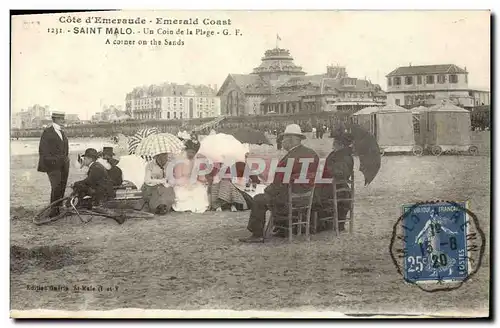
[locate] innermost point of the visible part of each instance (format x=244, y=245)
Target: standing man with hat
x=53, y=158
x=277, y=191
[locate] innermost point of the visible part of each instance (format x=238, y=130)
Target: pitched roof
x=446, y=106
x=251, y=83
x=366, y=110
x=391, y=108
x=426, y=69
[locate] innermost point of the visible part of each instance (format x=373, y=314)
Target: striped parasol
x=136, y=139
x=158, y=144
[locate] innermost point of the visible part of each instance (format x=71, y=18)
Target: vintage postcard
x=325, y=164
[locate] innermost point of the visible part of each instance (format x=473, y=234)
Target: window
x=453, y=78
x=419, y=79
x=181, y=115
x=175, y=114
x=397, y=80
x=441, y=79
x=398, y=102
x=168, y=115
x=466, y=78
x=408, y=80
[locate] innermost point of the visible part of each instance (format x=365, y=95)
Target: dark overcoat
x=53, y=152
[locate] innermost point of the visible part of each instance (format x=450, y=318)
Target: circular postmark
x=437, y=245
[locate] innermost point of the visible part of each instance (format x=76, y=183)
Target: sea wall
x=261, y=122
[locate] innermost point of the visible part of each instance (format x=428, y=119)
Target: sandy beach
x=194, y=261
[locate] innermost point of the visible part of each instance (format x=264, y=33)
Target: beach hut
x=392, y=125
x=363, y=117
x=446, y=128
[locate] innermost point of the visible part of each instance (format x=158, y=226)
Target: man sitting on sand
x=277, y=192
x=97, y=184
x=109, y=162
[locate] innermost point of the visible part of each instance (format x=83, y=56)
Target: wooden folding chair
x=332, y=220
x=297, y=213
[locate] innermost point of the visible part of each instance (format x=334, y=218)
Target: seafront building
x=427, y=85
x=280, y=86
x=170, y=101
x=37, y=116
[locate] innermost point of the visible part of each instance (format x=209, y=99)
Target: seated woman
x=224, y=194
x=157, y=193
x=190, y=190
x=97, y=184
x=109, y=162
x=339, y=166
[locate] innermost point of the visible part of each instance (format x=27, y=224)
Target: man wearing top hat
x=277, y=192
x=53, y=158
x=97, y=184
x=114, y=172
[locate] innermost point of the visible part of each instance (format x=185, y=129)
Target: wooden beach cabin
x=446, y=128
x=363, y=117
x=392, y=125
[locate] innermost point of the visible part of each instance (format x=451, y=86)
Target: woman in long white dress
x=190, y=191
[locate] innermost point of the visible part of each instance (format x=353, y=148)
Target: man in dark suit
x=97, y=184
x=277, y=192
x=54, y=160
x=339, y=166
x=114, y=172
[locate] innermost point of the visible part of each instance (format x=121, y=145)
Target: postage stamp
x=439, y=242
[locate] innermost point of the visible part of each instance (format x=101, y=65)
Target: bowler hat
x=91, y=152
x=294, y=129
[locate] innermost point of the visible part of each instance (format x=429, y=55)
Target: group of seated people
x=160, y=193
x=205, y=193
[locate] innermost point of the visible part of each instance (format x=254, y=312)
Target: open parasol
x=223, y=148
x=365, y=146
x=248, y=135
x=158, y=144
x=136, y=139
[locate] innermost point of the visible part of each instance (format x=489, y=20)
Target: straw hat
x=295, y=130
x=57, y=114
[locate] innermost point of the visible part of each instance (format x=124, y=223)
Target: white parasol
x=223, y=148
x=133, y=169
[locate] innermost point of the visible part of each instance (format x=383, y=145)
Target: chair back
x=300, y=200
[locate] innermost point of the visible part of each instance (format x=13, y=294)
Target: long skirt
x=191, y=198
x=158, y=195
x=226, y=193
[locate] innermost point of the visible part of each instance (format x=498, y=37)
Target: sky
x=79, y=73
